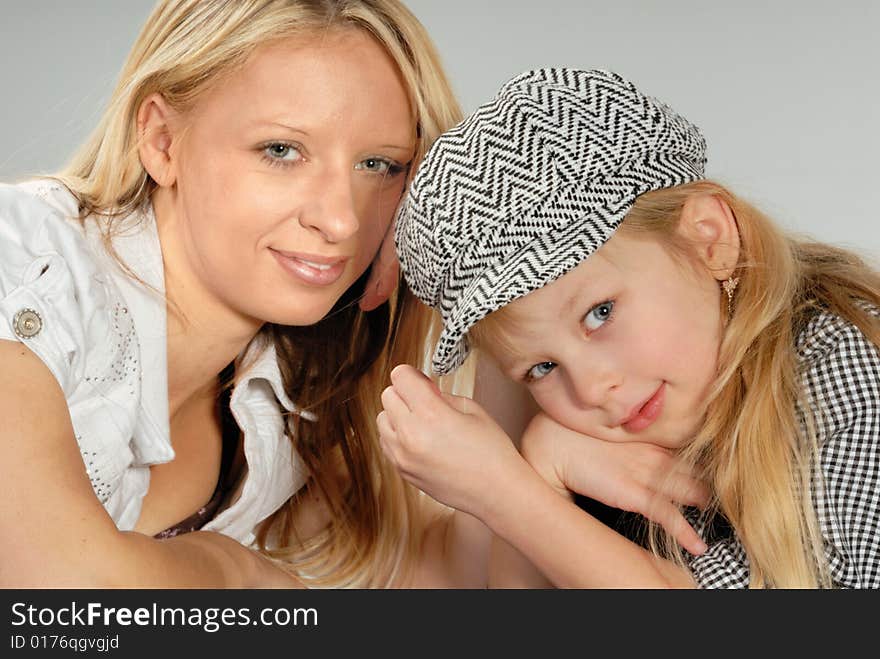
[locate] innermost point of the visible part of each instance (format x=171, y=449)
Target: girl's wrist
x=521, y=485
x=542, y=464
x=531, y=513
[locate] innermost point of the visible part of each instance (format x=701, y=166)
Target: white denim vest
x=102, y=335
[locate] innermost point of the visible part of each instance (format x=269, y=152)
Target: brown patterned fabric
x=231, y=433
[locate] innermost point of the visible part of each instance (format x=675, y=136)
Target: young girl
x=245, y=174
x=565, y=228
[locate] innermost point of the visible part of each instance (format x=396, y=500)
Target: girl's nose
x=592, y=387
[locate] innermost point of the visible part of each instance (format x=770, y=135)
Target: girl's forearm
x=572, y=548
x=455, y=551
x=508, y=568
x=466, y=548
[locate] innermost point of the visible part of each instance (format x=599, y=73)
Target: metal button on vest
x=27, y=323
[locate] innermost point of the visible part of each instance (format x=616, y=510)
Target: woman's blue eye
x=379, y=166
x=598, y=315
x=279, y=151
x=538, y=371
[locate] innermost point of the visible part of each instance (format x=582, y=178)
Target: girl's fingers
x=685, y=490
x=394, y=404
x=415, y=388
x=667, y=515
x=419, y=392
x=462, y=404
x=387, y=437
x=384, y=425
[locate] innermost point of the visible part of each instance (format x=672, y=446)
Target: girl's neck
x=204, y=334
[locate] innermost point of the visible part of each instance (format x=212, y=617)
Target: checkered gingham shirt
x=841, y=376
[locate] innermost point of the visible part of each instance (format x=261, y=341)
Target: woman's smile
x=311, y=269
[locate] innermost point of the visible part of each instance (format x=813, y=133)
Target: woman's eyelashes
x=287, y=154
x=598, y=315
x=281, y=154
x=383, y=166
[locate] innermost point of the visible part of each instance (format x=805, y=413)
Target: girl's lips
x=313, y=270
x=648, y=412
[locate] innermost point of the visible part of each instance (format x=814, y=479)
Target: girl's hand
x=445, y=445
x=634, y=476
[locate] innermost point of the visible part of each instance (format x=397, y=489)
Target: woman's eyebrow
x=288, y=127
x=397, y=147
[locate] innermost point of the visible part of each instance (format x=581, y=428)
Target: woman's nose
x=331, y=211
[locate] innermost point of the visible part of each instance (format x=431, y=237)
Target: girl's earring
x=729, y=287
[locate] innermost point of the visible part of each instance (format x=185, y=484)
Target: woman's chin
x=300, y=316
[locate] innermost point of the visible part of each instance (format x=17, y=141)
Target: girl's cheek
x=552, y=404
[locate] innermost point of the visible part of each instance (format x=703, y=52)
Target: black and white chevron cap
x=530, y=185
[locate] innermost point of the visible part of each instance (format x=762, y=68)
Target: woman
x=244, y=174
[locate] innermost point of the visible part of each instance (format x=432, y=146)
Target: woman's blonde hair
x=338, y=367
x=752, y=448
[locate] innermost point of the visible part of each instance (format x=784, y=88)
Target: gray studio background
x=786, y=92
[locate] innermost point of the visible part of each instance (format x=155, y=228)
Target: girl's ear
x=156, y=139
x=708, y=222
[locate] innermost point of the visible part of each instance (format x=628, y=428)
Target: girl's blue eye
x=598, y=315
x=380, y=166
x=538, y=371
x=285, y=153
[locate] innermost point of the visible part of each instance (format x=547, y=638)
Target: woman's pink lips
x=648, y=412
x=314, y=270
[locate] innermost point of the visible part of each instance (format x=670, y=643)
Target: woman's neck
x=198, y=350
x=204, y=334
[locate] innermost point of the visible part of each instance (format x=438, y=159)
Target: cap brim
x=582, y=226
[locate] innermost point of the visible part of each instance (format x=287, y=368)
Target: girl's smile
x=646, y=413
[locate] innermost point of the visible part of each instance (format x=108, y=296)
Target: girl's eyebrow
x=513, y=360
x=569, y=303
x=588, y=294
x=267, y=122
x=513, y=368
x=286, y=127
x=574, y=301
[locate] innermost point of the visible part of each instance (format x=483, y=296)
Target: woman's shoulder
x=38, y=217
x=44, y=247
x=32, y=202
x=49, y=191
x=53, y=285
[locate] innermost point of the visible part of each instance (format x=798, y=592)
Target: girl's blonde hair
x=338, y=367
x=752, y=448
